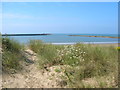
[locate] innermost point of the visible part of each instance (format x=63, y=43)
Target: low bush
x=11, y=54
x=46, y=52
x=84, y=60
x=96, y=62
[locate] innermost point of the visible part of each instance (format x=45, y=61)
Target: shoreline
x=115, y=44
x=94, y=36
x=85, y=43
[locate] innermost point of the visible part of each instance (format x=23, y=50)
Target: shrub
x=96, y=61
x=36, y=45
x=84, y=60
x=11, y=54
x=70, y=55
x=118, y=48
x=46, y=52
x=11, y=45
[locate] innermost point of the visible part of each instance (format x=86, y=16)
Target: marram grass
x=11, y=54
x=84, y=60
x=86, y=66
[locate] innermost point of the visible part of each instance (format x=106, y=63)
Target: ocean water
x=65, y=39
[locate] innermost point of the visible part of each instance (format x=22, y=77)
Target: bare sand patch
x=33, y=77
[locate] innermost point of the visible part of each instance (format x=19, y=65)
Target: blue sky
x=60, y=17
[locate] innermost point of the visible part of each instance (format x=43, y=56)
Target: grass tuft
x=11, y=54
x=84, y=60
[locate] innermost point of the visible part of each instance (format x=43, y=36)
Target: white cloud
x=15, y=16
x=30, y=17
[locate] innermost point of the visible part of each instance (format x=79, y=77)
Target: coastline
x=64, y=39
x=93, y=43
x=94, y=36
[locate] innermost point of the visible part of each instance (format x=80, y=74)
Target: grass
x=57, y=70
x=98, y=62
x=11, y=54
x=46, y=53
x=84, y=60
x=86, y=66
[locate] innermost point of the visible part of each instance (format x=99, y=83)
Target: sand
x=32, y=76
x=106, y=45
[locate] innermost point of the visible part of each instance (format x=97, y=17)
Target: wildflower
x=77, y=62
x=83, y=60
x=118, y=48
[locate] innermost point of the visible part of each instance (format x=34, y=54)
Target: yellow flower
x=118, y=48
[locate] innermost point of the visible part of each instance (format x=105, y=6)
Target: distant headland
x=25, y=34
x=94, y=36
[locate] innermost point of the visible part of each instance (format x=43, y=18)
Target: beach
x=31, y=76
x=35, y=72
x=99, y=43
x=60, y=44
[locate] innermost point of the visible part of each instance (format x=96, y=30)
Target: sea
x=66, y=39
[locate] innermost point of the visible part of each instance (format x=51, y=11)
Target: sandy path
x=33, y=77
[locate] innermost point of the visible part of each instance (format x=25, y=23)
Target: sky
x=60, y=17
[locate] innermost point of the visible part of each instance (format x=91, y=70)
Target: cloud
x=15, y=16
x=23, y=16
x=37, y=18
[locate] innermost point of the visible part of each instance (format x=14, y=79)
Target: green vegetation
x=57, y=70
x=118, y=48
x=46, y=53
x=84, y=65
x=83, y=61
x=0, y=40
x=11, y=54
